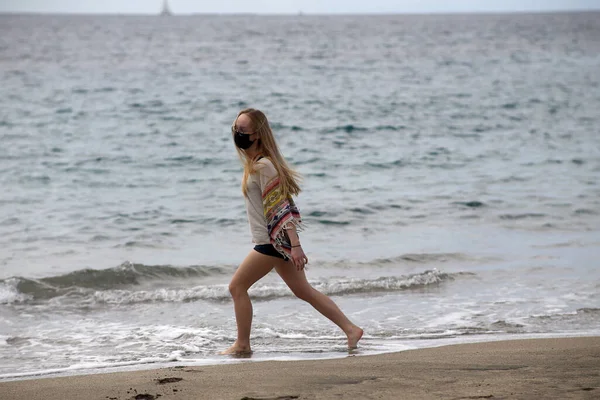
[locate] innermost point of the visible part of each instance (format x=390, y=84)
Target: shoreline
x=138, y=366
x=561, y=368
x=257, y=356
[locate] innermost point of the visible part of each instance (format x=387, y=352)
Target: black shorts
x=269, y=250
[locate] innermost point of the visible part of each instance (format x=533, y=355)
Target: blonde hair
x=267, y=147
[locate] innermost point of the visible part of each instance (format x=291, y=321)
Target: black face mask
x=242, y=140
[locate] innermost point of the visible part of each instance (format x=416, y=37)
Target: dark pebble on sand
x=144, y=396
x=168, y=380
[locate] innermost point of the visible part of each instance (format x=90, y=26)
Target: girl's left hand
x=299, y=258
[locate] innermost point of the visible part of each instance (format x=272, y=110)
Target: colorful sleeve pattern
x=280, y=213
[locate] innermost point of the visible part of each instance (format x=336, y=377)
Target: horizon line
x=301, y=13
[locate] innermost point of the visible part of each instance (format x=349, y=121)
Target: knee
x=237, y=290
x=305, y=294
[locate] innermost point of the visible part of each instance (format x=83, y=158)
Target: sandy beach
x=566, y=368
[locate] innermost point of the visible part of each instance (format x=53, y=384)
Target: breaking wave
x=23, y=291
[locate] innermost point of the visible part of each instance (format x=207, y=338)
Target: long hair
x=267, y=147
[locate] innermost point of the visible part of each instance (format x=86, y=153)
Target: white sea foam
x=10, y=294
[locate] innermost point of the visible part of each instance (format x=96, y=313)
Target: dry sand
x=566, y=368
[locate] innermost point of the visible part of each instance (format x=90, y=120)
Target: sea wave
x=88, y=296
x=78, y=283
x=129, y=276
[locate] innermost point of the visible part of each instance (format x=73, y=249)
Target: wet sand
x=566, y=368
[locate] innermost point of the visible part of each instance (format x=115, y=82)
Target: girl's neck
x=252, y=152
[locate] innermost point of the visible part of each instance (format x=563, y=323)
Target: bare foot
x=354, y=336
x=236, y=350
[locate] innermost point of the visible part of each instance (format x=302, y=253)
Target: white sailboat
x=165, y=10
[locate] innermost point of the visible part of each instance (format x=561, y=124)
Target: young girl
x=268, y=185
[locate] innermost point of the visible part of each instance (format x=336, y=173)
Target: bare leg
x=296, y=281
x=254, y=267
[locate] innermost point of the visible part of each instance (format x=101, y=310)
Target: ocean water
x=450, y=167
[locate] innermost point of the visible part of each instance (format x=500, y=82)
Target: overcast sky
x=293, y=6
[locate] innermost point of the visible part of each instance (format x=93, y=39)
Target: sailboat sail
x=165, y=9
